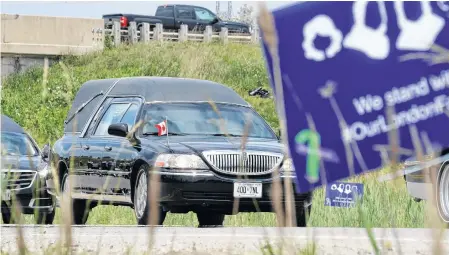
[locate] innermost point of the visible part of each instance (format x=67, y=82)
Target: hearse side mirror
x=215, y=20
x=46, y=151
x=118, y=129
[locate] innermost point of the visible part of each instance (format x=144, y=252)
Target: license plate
x=6, y=195
x=250, y=190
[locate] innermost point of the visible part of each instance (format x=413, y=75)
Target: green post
x=313, y=140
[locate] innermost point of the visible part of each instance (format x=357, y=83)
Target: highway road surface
x=217, y=241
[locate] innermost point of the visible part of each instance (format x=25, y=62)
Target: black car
x=120, y=129
x=24, y=171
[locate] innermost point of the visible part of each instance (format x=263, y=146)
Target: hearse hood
x=186, y=144
x=12, y=162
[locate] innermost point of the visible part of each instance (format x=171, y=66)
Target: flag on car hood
x=161, y=128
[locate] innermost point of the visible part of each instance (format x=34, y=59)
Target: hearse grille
x=17, y=179
x=246, y=163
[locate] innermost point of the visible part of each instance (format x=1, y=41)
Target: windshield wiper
x=156, y=133
x=232, y=135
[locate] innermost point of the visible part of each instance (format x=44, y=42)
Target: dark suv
x=23, y=174
x=187, y=131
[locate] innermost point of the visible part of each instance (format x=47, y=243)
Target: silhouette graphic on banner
x=377, y=44
x=345, y=100
x=342, y=194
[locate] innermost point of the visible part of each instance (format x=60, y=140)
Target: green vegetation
x=41, y=108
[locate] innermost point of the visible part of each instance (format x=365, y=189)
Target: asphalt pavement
x=217, y=241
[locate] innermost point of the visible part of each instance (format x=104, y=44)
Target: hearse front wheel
x=45, y=217
x=80, y=212
x=442, y=193
x=303, y=211
x=6, y=215
x=210, y=219
x=141, y=207
x=303, y=215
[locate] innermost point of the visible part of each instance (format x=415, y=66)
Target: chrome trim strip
x=20, y=171
x=31, y=204
x=288, y=176
x=189, y=173
x=100, y=197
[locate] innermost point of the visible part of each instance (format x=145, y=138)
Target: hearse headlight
x=44, y=172
x=180, y=161
x=288, y=167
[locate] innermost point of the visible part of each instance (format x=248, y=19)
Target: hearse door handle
x=108, y=148
x=86, y=147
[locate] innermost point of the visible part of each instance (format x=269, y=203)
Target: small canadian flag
x=161, y=128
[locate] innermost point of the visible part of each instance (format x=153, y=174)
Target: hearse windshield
x=205, y=119
x=17, y=144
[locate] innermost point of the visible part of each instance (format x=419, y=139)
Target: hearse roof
x=9, y=125
x=152, y=89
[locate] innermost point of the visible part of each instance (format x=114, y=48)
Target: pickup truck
x=172, y=16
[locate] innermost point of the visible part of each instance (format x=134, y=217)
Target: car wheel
x=45, y=217
x=303, y=211
x=303, y=215
x=6, y=215
x=210, y=219
x=442, y=193
x=80, y=212
x=141, y=206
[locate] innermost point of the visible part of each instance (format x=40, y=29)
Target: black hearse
x=23, y=174
x=189, y=130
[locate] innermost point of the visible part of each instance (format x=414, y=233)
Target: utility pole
x=229, y=10
x=217, y=8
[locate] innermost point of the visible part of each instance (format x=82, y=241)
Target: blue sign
x=343, y=194
x=343, y=66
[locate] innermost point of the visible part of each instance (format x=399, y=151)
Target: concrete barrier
x=50, y=36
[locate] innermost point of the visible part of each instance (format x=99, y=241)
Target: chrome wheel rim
x=141, y=195
x=443, y=194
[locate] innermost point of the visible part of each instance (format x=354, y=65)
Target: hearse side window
x=130, y=116
x=112, y=115
x=165, y=11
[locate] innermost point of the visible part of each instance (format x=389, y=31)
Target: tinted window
x=17, y=144
x=112, y=115
x=130, y=116
x=202, y=119
x=203, y=14
x=184, y=12
x=166, y=11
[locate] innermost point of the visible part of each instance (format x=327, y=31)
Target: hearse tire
x=45, y=217
x=80, y=211
x=6, y=216
x=141, y=207
x=210, y=219
x=303, y=215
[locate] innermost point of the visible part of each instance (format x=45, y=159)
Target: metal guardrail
x=155, y=32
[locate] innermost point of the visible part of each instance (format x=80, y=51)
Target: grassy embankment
x=41, y=109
